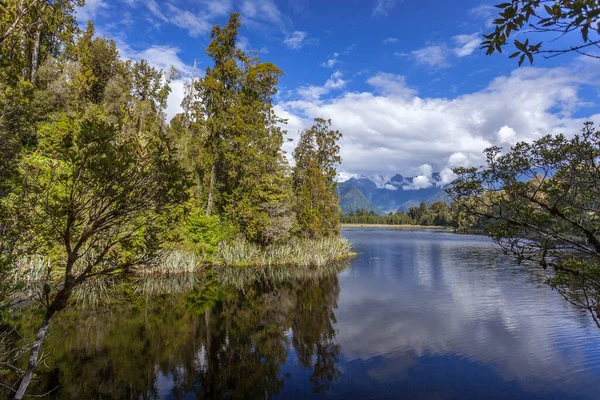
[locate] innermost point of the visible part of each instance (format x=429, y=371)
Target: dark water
x=417, y=315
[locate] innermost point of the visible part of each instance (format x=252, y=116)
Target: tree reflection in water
x=197, y=337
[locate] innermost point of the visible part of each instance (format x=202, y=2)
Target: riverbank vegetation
x=96, y=183
x=436, y=214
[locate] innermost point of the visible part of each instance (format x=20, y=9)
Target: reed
x=298, y=252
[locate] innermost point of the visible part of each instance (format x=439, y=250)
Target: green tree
x=241, y=163
x=101, y=202
x=562, y=17
x=317, y=156
x=541, y=203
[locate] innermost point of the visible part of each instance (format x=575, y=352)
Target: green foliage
x=538, y=16
x=317, y=204
x=205, y=232
x=540, y=202
x=436, y=214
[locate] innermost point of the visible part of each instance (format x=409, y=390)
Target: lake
x=416, y=315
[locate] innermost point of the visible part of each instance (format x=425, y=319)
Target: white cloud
x=401, y=131
x=218, y=7
x=484, y=12
x=435, y=55
x=194, y=24
x=313, y=92
x=447, y=176
x=195, y=20
x=296, y=40
x=387, y=186
x=466, y=44
x=262, y=14
x=90, y=9
x=419, y=182
x=506, y=134
x=332, y=61
x=383, y=7
x=161, y=57
x=391, y=40
x=154, y=8
x=423, y=180
x=391, y=84
x=335, y=81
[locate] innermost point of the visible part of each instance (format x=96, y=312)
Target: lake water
x=417, y=315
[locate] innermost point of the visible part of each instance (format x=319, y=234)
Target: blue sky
x=404, y=80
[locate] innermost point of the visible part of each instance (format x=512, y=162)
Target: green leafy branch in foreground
x=560, y=17
x=540, y=202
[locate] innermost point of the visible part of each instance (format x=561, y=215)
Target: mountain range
x=395, y=194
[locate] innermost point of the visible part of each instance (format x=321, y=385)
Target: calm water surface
x=417, y=315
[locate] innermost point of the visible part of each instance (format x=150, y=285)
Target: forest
x=435, y=214
x=95, y=182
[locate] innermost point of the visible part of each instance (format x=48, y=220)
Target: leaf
x=521, y=59
x=513, y=55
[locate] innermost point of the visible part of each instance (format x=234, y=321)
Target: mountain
x=395, y=194
x=352, y=199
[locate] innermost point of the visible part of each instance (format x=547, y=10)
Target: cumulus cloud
x=423, y=180
x=389, y=133
x=506, y=134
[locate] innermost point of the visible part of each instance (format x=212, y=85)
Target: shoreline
x=404, y=226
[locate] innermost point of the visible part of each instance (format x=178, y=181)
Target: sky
x=403, y=80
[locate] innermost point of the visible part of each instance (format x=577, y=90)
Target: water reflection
x=419, y=315
x=419, y=307
x=209, y=341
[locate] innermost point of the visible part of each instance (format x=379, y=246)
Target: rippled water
x=417, y=315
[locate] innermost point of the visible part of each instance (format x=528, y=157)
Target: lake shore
x=404, y=226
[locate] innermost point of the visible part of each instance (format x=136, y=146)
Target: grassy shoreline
x=404, y=226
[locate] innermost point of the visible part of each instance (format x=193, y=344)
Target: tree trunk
x=210, y=190
x=34, y=356
x=36, y=51
x=59, y=303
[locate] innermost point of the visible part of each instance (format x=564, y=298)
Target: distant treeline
x=439, y=213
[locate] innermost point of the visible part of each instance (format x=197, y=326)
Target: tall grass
x=298, y=252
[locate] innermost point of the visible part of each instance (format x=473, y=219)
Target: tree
x=561, y=17
x=317, y=156
x=241, y=165
x=541, y=203
x=101, y=203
